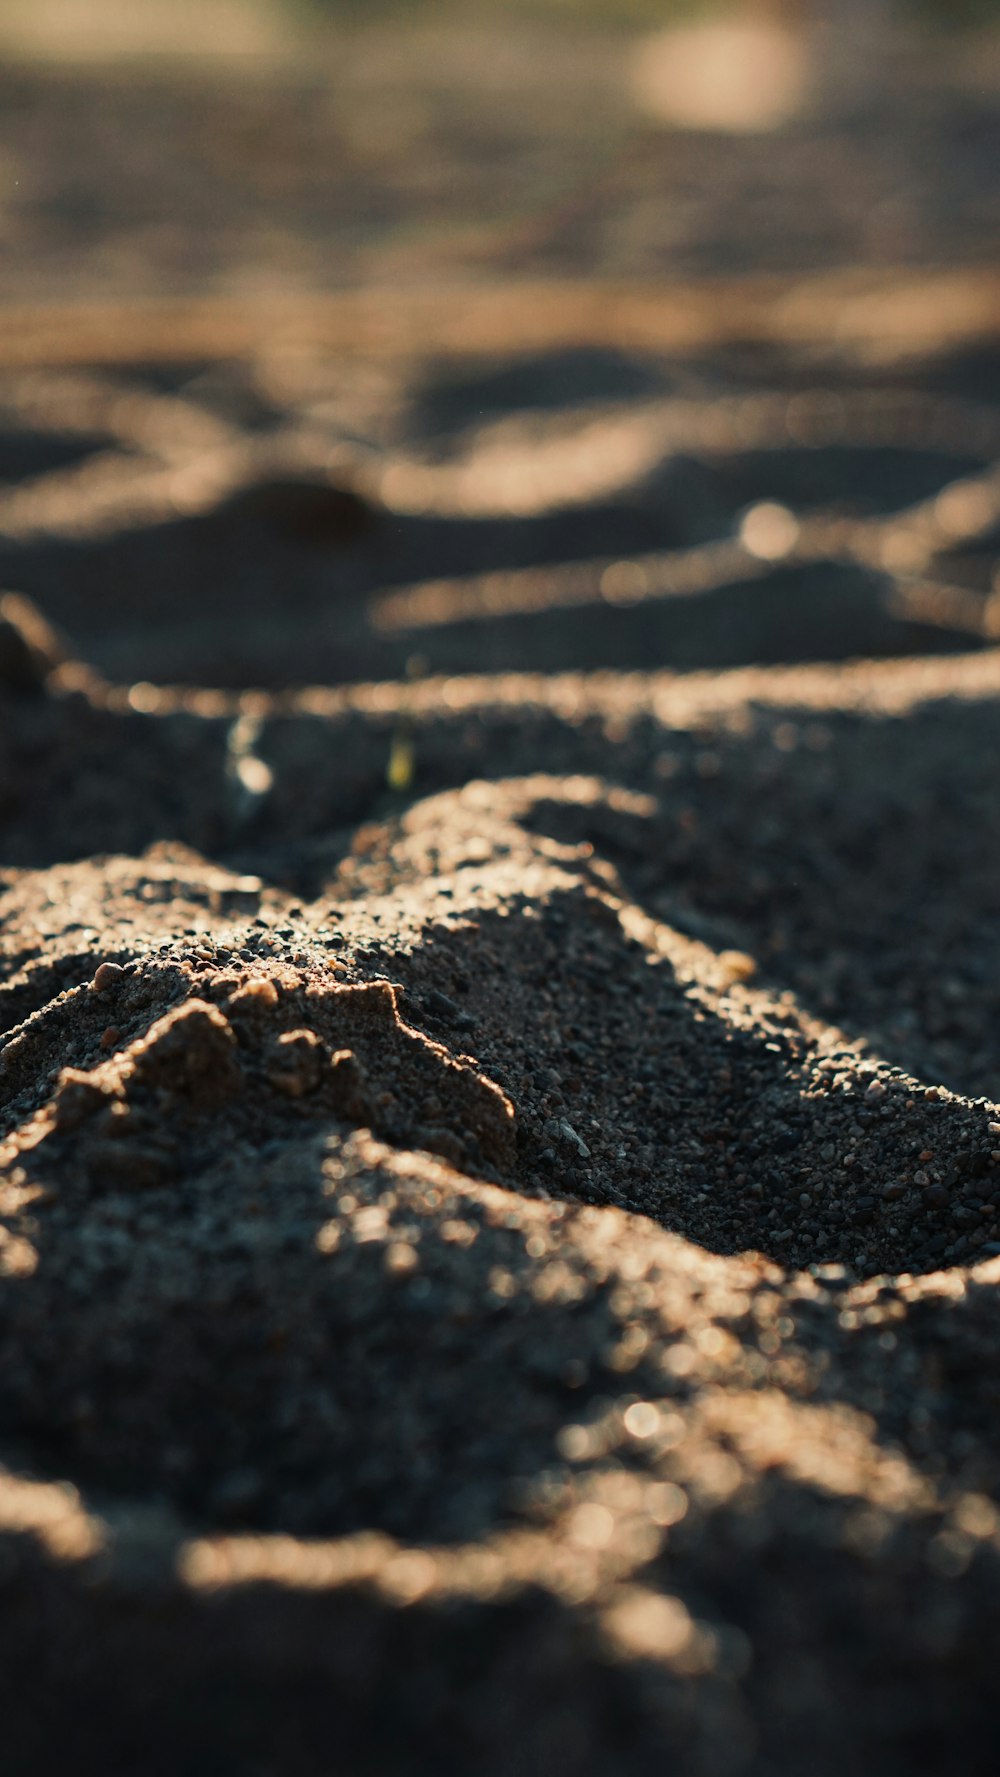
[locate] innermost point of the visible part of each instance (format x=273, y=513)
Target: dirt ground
x=499, y=845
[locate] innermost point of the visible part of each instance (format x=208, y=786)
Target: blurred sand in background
x=245, y=145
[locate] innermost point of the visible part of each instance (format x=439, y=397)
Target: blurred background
x=192, y=145
x=513, y=302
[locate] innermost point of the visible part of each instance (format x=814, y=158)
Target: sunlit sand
x=733, y=75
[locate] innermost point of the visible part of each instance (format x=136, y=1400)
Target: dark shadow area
x=820, y=612
x=858, y=879
x=227, y=389
x=971, y=371
x=24, y=454
x=735, y=1138
x=450, y=400
x=847, y=477
x=103, y=781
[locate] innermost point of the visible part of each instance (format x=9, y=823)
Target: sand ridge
x=500, y=1199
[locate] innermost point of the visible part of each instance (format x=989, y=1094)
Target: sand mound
x=500, y=1203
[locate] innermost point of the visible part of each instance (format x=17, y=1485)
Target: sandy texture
x=501, y=1205
x=500, y=1008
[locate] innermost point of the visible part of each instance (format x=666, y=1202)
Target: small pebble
x=108, y=977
